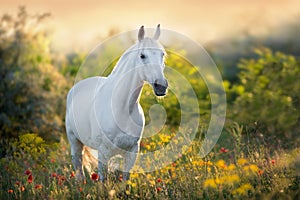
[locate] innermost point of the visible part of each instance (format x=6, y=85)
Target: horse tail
x=89, y=159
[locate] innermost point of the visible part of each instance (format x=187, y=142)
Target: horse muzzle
x=160, y=87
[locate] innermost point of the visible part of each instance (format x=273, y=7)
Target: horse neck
x=127, y=83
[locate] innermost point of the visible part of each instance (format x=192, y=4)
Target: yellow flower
x=210, y=183
x=221, y=164
x=243, y=189
x=241, y=161
x=253, y=168
x=134, y=175
x=231, y=167
x=152, y=182
x=230, y=179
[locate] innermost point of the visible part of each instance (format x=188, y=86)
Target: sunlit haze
x=80, y=23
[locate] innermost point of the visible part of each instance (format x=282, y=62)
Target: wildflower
x=210, y=183
x=173, y=164
x=18, y=183
x=80, y=189
x=243, y=189
x=10, y=191
x=158, y=180
x=52, y=160
x=223, y=150
x=273, y=161
x=134, y=175
x=30, y=178
x=27, y=172
x=72, y=175
x=38, y=186
x=53, y=175
x=241, y=161
x=22, y=188
x=158, y=189
x=152, y=182
x=95, y=176
x=61, y=179
x=260, y=172
x=231, y=167
x=253, y=168
x=120, y=177
x=229, y=180
x=131, y=183
x=221, y=164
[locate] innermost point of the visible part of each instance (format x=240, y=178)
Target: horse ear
x=157, y=33
x=141, y=33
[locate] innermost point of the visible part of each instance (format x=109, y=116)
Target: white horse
x=104, y=113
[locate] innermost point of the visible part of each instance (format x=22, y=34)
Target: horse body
x=105, y=114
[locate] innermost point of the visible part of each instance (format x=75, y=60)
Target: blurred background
x=255, y=45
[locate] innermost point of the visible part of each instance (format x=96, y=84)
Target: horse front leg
x=130, y=158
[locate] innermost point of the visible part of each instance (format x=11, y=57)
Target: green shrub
x=268, y=93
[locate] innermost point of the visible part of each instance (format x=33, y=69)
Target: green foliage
x=268, y=93
x=32, y=91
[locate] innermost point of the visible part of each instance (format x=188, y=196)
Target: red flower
x=54, y=175
x=260, y=172
x=95, y=176
x=80, y=189
x=121, y=177
x=223, y=150
x=30, y=178
x=72, y=175
x=174, y=164
x=158, y=180
x=38, y=186
x=10, y=191
x=61, y=179
x=273, y=161
x=18, y=183
x=27, y=172
x=158, y=189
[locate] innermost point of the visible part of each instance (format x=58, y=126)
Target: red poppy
x=158, y=180
x=54, y=175
x=273, y=161
x=80, y=189
x=158, y=189
x=260, y=172
x=38, y=186
x=72, y=175
x=10, y=191
x=95, y=176
x=61, y=179
x=27, y=172
x=223, y=150
x=174, y=164
x=30, y=178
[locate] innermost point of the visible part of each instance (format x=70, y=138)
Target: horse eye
x=142, y=56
